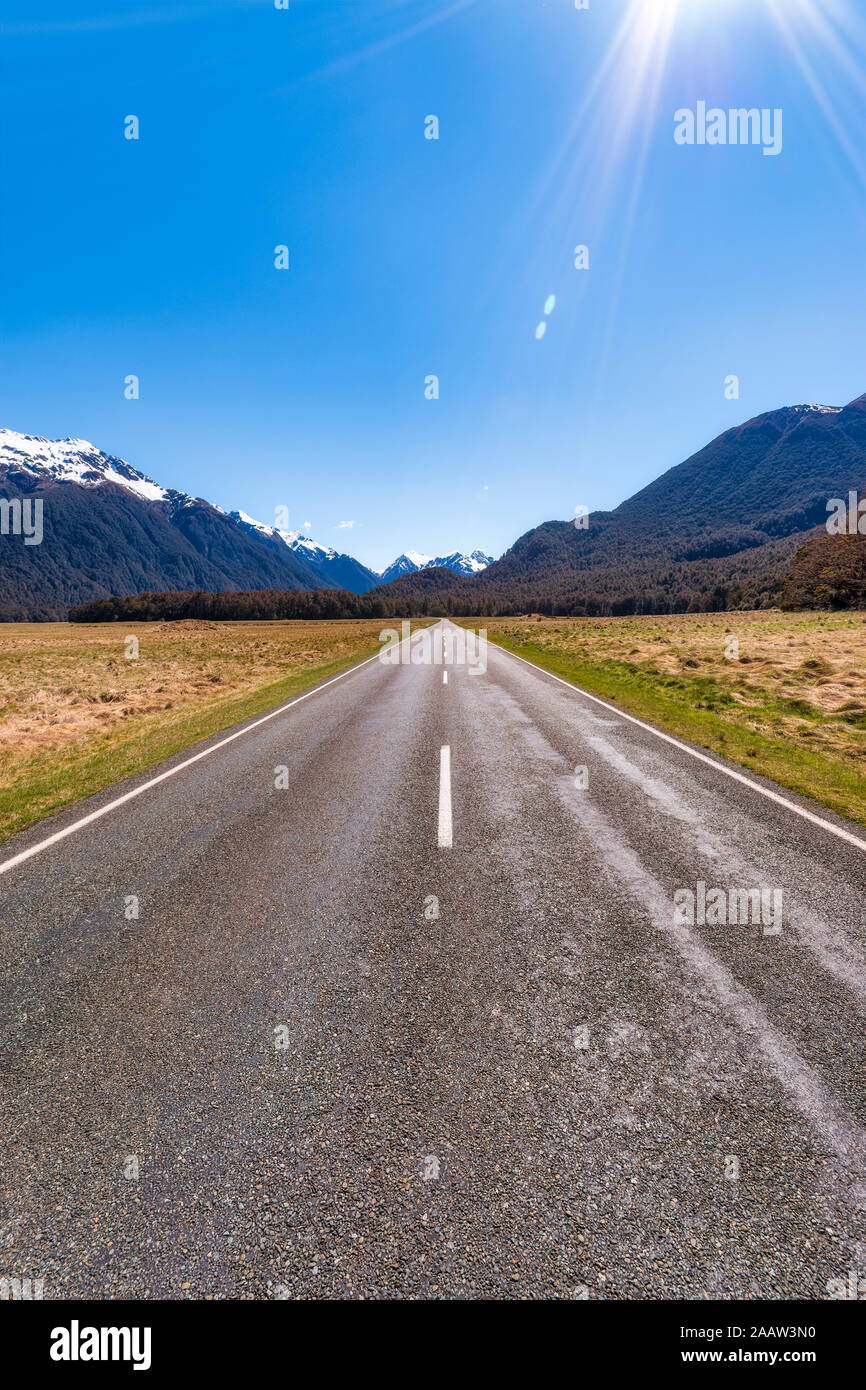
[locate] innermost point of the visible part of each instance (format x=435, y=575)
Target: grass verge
x=769, y=718
x=94, y=719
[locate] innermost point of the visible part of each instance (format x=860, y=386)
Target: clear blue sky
x=305, y=388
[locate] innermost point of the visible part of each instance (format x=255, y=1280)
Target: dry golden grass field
x=76, y=714
x=788, y=700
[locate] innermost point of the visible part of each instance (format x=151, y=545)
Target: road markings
x=813, y=1096
x=701, y=757
x=444, y=677
x=172, y=771
x=445, y=829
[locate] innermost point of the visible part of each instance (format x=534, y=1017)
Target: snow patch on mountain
x=78, y=461
x=74, y=461
x=411, y=561
x=244, y=517
x=314, y=550
x=295, y=540
x=465, y=564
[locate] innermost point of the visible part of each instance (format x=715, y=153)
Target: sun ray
x=809, y=15
x=598, y=169
x=393, y=40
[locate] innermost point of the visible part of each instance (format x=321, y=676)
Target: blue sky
x=409, y=257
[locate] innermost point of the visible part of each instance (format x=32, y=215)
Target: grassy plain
x=788, y=701
x=76, y=715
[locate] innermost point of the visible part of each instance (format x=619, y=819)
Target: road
x=372, y=1035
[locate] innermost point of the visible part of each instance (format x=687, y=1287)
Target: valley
x=782, y=694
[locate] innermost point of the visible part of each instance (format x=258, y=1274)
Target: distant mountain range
x=410, y=562
x=717, y=531
x=335, y=571
x=344, y=572
x=110, y=530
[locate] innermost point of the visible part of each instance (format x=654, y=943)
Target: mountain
x=463, y=564
x=407, y=563
x=410, y=562
x=145, y=537
x=740, y=524
x=336, y=571
x=108, y=529
x=717, y=531
x=345, y=572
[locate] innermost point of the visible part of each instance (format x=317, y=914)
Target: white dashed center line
x=445, y=834
x=444, y=677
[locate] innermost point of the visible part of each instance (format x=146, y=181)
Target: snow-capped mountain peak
x=74, y=461
x=465, y=564
x=411, y=561
x=247, y=520
x=408, y=563
x=299, y=540
x=338, y=571
x=77, y=461
x=295, y=540
x=418, y=560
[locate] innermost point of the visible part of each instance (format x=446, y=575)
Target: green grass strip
x=41, y=790
x=672, y=706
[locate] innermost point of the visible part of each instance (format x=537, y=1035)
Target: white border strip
x=172, y=771
x=693, y=753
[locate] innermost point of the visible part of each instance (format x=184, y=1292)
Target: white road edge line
x=172, y=771
x=445, y=829
x=701, y=757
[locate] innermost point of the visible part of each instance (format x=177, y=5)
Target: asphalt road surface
x=394, y=1021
